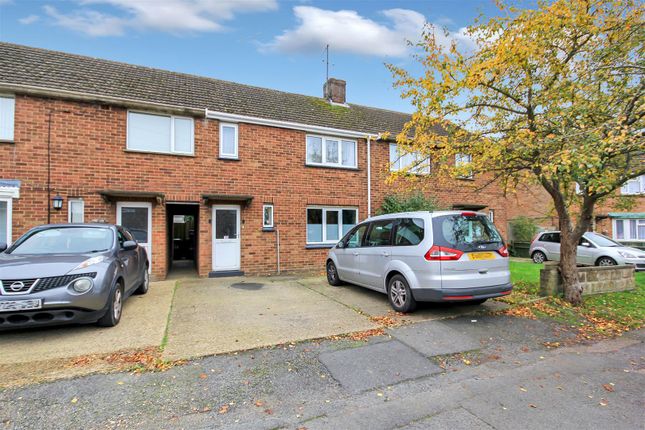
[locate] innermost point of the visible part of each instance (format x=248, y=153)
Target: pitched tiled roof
x=34, y=67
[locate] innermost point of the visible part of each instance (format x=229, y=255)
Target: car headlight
x=626, y=254
x=90, y=261
x=82, y=285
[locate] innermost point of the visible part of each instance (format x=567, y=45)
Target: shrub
x=523, y=229
x=414, y=201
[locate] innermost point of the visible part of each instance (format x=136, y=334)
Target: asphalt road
x=469, y=372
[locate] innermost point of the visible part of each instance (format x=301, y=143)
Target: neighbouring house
x=219, y=176
x=623, y=225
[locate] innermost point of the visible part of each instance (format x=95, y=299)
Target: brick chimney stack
x=334, y=90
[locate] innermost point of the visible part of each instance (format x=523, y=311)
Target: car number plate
x=481, y=256
x=20, y=305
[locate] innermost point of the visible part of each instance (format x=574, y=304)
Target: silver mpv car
x=447, y=256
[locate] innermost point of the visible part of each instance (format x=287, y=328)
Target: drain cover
x=247, y=285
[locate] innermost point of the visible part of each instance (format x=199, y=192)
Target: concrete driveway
x=212, y=316
x=192, y=318
x=375, y=304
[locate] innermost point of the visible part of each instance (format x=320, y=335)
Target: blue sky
x=268, y=43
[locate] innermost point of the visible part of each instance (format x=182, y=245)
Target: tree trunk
x=569, y=268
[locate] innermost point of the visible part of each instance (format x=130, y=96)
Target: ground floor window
x=76, y=211
x=329, y=224
x=5, y=221
x=629, y=229
x=267, y=216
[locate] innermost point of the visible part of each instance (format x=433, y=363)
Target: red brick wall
x=88, y=154
x=448, y=192
x=535, y=202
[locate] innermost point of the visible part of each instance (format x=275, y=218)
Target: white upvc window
x=267, y=216
x=331, y=151
x=167, y=134
x=411, y=162
x=228, y=140
x=327, y=225
x=629, y=229
x=7, y=115
x=464, y=160
x=634, y=186
x=75, y=211
x=5, y=220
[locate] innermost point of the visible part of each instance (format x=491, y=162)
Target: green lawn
x=625, y=308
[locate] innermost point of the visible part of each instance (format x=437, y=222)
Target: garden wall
x=594, y=280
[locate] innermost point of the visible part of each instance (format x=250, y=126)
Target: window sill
x=172, y=154
x=323, y=166
x=320, y=246
x=223, y=158
x=268, y=229
x=7, y=141
x=463, y=178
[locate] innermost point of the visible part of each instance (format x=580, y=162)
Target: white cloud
x=29, y=19
x=174, y=16
x=347, y=31
x=89, y=22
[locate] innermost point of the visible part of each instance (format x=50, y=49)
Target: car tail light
x=468, y=214
x=439, y=253
x=503, y=251
x=535, y=237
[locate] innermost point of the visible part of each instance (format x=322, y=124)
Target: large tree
x=550, y=96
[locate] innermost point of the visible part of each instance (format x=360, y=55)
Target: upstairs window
x=634, y=186
x=7, y=111
x=411, y=162
x=228, y=140
x=160, y=133
x=464, y=160
x=331, y=151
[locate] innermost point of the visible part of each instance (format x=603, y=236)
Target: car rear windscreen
x=465, y=233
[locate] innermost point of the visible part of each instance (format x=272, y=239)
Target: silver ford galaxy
x=70, y=273
x=447, y=256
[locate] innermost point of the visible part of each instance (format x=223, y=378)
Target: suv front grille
x=16, y=286
x=59, y=281
x=24, y=286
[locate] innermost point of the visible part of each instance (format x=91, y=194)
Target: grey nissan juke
x=70, y=273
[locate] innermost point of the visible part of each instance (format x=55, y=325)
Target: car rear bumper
x=460, y=294
x=48, y=317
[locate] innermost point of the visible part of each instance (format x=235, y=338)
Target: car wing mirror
x=129, y=245
x=3, y=247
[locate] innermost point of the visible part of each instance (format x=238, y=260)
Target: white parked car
x=593, y=250
x=424, y=256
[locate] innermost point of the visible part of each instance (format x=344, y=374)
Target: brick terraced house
x=224, y=177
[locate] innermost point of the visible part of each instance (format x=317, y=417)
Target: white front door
x=136, y=217
x=226, y=238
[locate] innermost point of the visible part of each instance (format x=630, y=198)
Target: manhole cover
x=247, y=285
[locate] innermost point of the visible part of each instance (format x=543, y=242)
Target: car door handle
x=385, y=254
x=355, y=254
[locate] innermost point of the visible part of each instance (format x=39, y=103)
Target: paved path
x=508, y=381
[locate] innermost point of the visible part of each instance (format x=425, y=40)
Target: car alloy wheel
x=539, y=257
x=117, y=304
x=398, y=294
x=606, y=261
x=332, y=274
